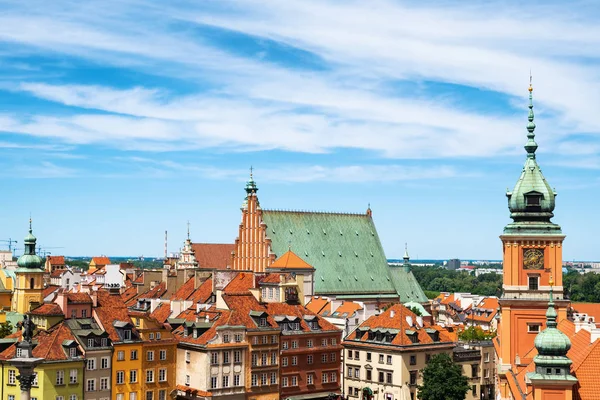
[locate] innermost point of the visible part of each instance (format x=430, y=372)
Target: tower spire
x=188, y=229
x=531, y=146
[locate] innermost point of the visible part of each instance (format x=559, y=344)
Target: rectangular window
x=533, y=328
x=19, y=352
x=105, y=363
x=309, y=343
x=162, y=394
x=91, y=364
x=309, y=379
x=187, y=380
x=357, y=373
x=381, y=359
x=12, y=377
x=350, y=354
x=273, y=358
x=83, y=313
x=213, y=382
x=294, y=381
x=151, y=336
x=265, y=339
x=149, y=395
x=357, y=355
x=263, y=379
x=133, y=376
x=324, y=377
x=149, y=375
x=381, y=376
x=486, y=357
x=11, y=397
x=236, y=380
x=60, y=377
x=187, y=356
x=349, y=372
x=132, y=395
x=73, y=376
x=294, y=344
x=284, y=361
x=413, y=360
x=157, y=335
x=120, y=356
x=214, y=358
x=162, y=375
x=413, y=377
x=237, y=356
x=284, y=381
x=127, y=334
x=73, y=397
x=254, y=359
x=35, y=380
x=238, y=338
x=333, y=341
x=273, y=339
x=285, y=345
x=534, y=282
x=225, y=381
x=333, y=377
x=103, y=383
x=150, y=356
x=294, y=360
x=104, y=342
x=368, y=356
x=273, y=378
x=120, y=396
x=72, y=352
x=323, y=358
x=74, y=313
x=225, y=338
x=133, y=355
x=323, y=342
x=309, y=359
x=474, y=389
x=388, y=377
x=263, y=359
x=90, y=343
x=91, y=385
x=254, y=380
x=369, y=375
x=332, y=357
x=120, y=377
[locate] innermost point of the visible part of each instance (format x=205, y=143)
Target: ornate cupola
x=251, y=189
x=551, y=362
x=29, y=259
x=531, y=202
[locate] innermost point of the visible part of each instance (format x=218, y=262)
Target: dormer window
x=263, y=321
x=127, y=334
x=72, y=352
x=90, y=343
x=533, y=199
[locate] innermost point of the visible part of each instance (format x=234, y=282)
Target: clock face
x=533, y=259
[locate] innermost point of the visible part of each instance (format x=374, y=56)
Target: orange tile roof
x=290, y=260
x=243, y=304
x=139, y=278
x=588, y=386
x=195, y=392
x=185, y=290
x=271, y=278
x=56, y=260
x=218, y=318
x=49, y=344
x=201, y=294
x=299, y=311
x=242, y=282
x=48, y=290
x=48, y=310
x=155, y=293
x=57, y=273
x=213, y=255
x=161, y=313
x=349, y=307
x=318, y=305
x=591, y=309
x=103, y=260
x=80, y=298
x=129, y=294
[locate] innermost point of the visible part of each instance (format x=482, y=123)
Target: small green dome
x=552, y=342
x=30, y=261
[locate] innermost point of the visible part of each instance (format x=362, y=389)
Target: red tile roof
x=242, y=304
x=161, y=313
x=129, y=294
x=213, y=255
x=57, y=273
x=56, y=260
x=48, y=290
x=318, y=305
x=194, y=392
x=185, y=290
x=103, y=260
x=50, y=344
x=271, y=278
x=290, y=260
x=48, y=310
x=79, y=298
x=242, y=282
x=155, y=293
x=349, y=307
x=299, y=311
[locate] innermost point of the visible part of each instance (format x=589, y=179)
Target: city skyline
x=124, y=122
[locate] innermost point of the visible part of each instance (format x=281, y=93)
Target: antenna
x=165, y=245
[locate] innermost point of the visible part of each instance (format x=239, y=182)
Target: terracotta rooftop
x=49, y=344
x=56, y=260
x=243, y=304
x=57, y=273
x=79, y=298
x=318, y=305
x=48, y=310
x=242, y=282
x=348, y=308
x=213, y=255
x=284, y=309
x=103, y=260
x=201, y=294
x=155, y=293
x=591, y=309
x=129, y=294
x=161, y=313
x=290, y=260
x=194, y=392
x=270, y=278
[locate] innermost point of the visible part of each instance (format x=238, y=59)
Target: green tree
x=443, y=380
x=6, y=329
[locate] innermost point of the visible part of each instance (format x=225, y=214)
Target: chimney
x=409, y=320
x=392, y=313
x=206, y=318
x=420, y=320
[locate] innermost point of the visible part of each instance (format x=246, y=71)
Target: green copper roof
x=406, y=285
x=344, y=249
x=531, y=202
x=29, y=260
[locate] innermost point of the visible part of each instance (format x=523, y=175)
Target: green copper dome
x=29, y=259
x=531, y=202
x=551, y=341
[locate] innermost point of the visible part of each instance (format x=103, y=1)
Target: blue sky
x=122, y=119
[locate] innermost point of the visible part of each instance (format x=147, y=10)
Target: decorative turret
x=551, y=362
x=406, y=258
x=187, y=258
x=531, y=202
x=29, y=259
x=251, y=189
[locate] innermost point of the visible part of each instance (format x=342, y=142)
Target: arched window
x=31, y=283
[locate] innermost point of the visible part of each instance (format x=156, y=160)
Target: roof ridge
x=589, y=351
x=315, y=212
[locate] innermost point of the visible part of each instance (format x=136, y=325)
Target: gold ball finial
x=530, y=88
x=551, y=282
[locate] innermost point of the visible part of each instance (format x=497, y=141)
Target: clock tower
x=532, y=254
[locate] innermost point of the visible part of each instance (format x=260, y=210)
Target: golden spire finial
x=551, y=281
x=530, y=85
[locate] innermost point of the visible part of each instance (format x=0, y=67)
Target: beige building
x=479, y=366
x=385, y=354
